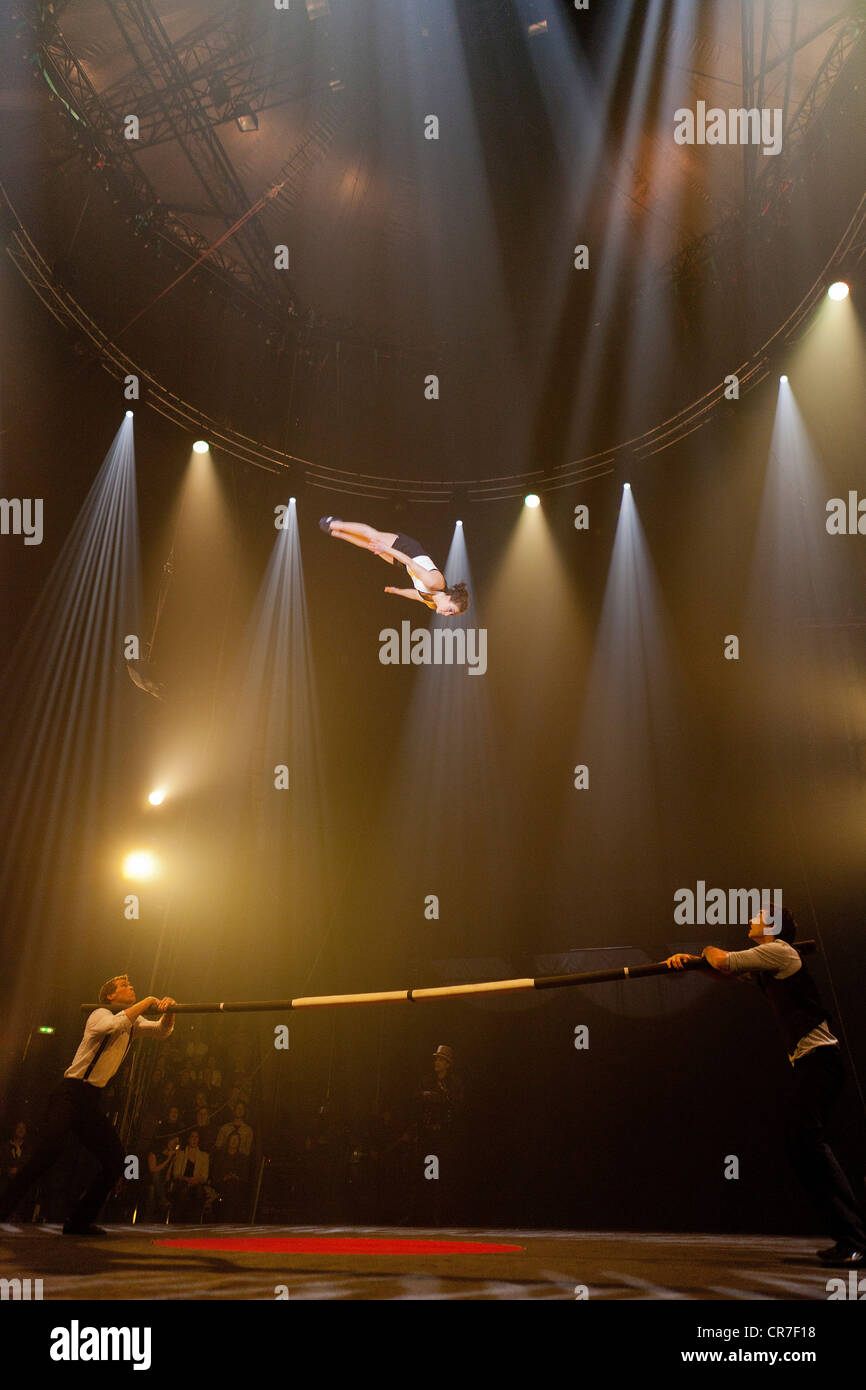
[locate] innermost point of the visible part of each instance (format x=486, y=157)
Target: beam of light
x=190, y=614
x=532, y=500
x=63, y=697
x=642, y=217
x=629, y=215
x=276, y=725
x=531, y=610
x=802, y=640
x=796, y=586
x=140, y=866
x=792, y=581
x=435, y=61
x=446, y=801
x=783, y=380
x=838, y=290
x=536, y=621
x=620, y=834
x=828, y=363
x=201, y=446
x=194, y=622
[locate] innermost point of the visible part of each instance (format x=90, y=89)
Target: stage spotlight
x=532, y=500
x=838, y=290
x=245, y=118
x=626, y=487
x=200, y=446
x=139, y=865
x=129, y=415
x=157, y=796
x=783, y=380
x=459, y=523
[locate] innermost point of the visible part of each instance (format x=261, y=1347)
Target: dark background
x=429, y=780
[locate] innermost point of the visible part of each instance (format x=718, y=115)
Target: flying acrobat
x=428, y=581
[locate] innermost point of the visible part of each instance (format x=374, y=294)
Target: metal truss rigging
x=224, y=63
x=197, y=139
x=766, y=187
x=39, y=275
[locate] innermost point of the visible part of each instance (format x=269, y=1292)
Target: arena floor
x=327, y=1262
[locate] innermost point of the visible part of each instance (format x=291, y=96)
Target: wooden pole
x=416, y=996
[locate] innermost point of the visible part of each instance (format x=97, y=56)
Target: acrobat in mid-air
x=428, y=582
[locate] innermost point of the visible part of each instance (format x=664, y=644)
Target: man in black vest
x=74, y=1107
x=818, y=1071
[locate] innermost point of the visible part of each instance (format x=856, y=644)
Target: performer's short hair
x=788, y=929
x=459, y=594
x=109, y=987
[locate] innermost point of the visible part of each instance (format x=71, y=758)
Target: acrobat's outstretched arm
x=405, y=593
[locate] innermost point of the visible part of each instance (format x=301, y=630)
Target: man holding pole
x=818, y=1073
x=74, y=1107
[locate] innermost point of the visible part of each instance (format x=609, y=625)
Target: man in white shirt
x=784, y=979
x=237, y=1126
x=74, y=1108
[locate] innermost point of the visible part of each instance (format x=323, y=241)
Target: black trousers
x=818, y=1079
x=74, y=1108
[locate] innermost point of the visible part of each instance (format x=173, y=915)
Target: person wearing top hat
x=440, y=1107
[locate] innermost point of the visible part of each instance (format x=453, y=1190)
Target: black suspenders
x=106, y=1039
x=96, y=1056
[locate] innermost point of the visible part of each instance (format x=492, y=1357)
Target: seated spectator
x=185, y=1091
x=196, y=1051
x=171, y=1125
x=207, y=1132
x=240, y=1069
x=189, y=1175
x=167, y=1096
x=238, y=1126
x=230, y=1179
x=236, y=1093
x=16, y=1151
x=159, y=1166
x=211, y=1077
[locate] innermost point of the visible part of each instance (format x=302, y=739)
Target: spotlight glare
x=129, y=415
x=200, y=446
x=459, y=523
x=838, y=290
x=140, y=865
x=245, y=118
x=532, y=500
x=783, y=379
x=626, y=487
x=157, y=796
